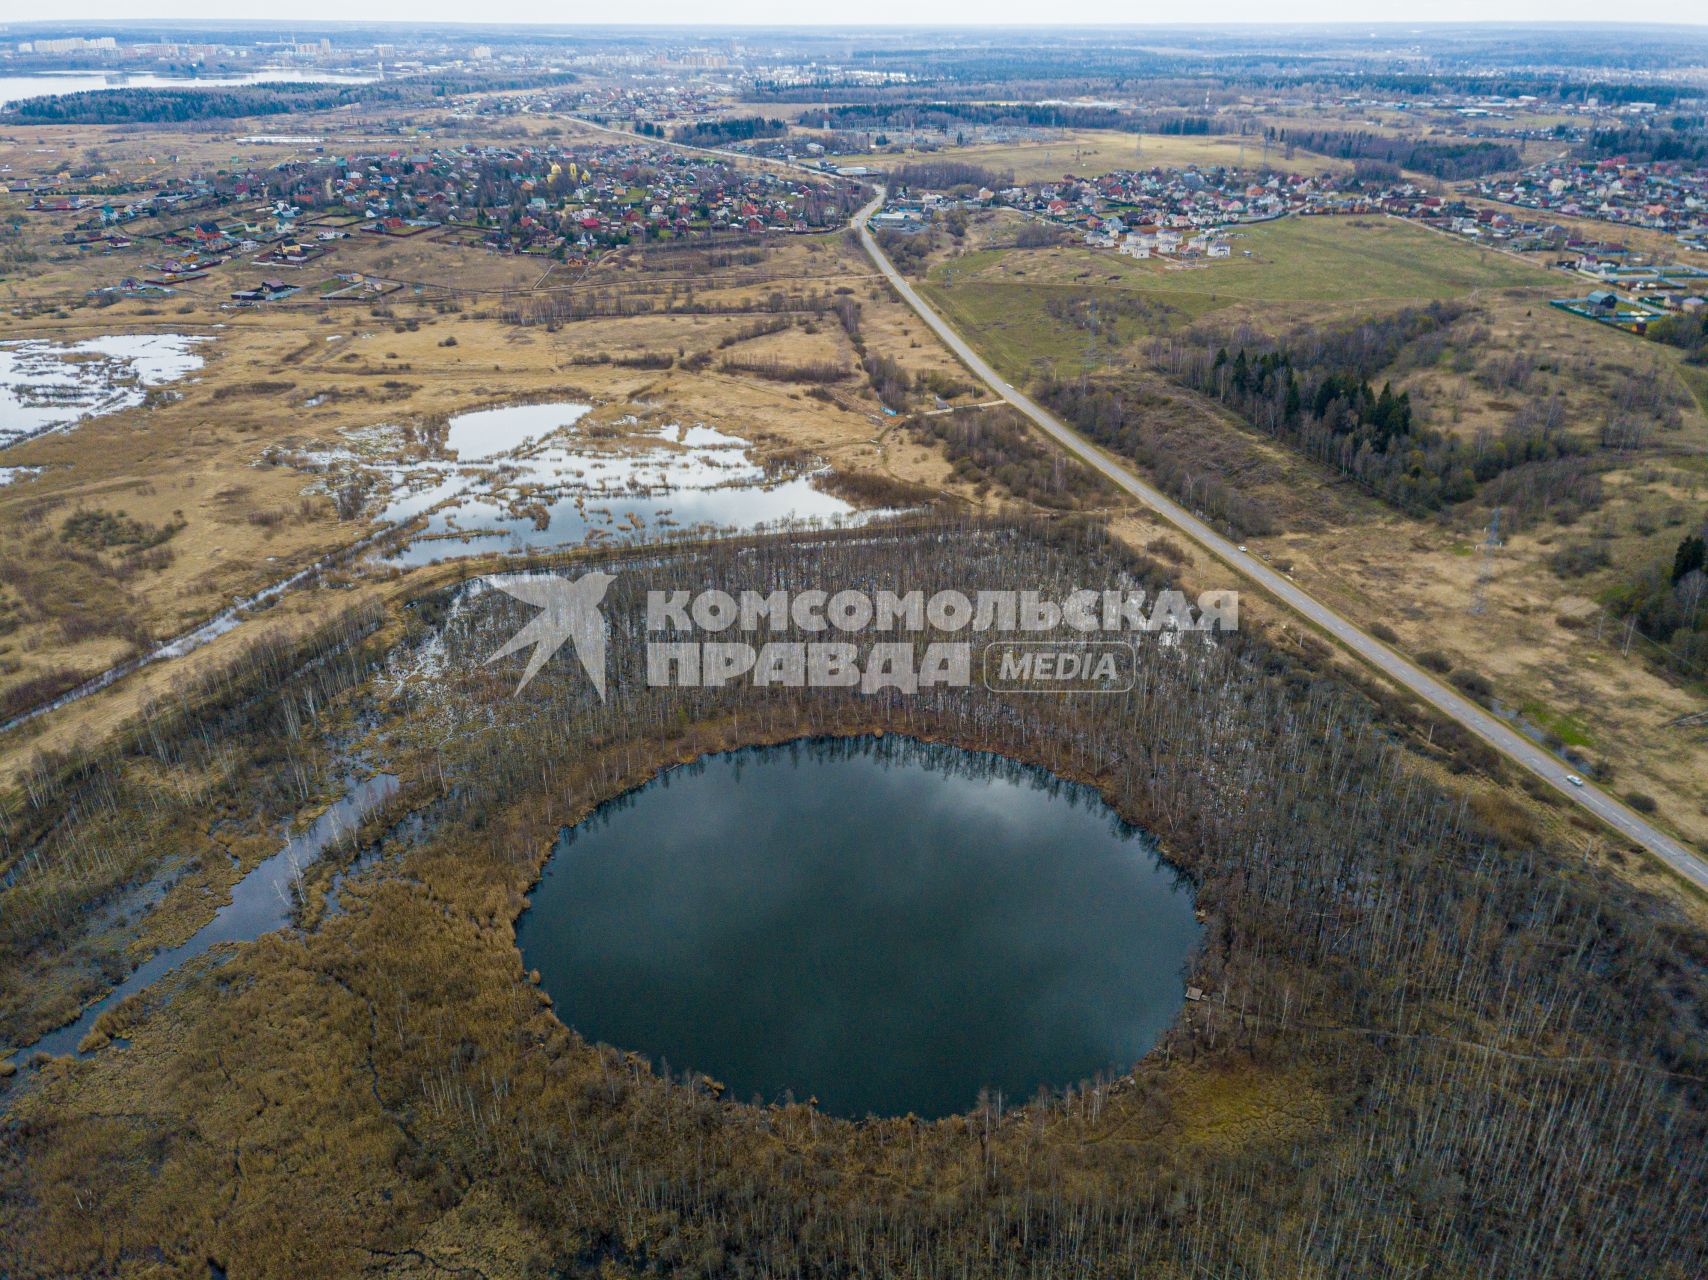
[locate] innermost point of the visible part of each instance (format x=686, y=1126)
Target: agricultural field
x=1088, y=153
x=1313, y=267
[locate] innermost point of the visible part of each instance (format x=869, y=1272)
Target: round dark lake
x=883, y=924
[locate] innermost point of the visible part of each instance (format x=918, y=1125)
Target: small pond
x=881, y=924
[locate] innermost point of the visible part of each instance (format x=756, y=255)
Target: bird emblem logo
x=568, y=611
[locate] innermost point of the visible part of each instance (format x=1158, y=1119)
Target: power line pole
x=1485, y=565
x=1091, y=337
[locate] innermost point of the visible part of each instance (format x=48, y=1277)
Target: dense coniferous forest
x=1448, y=160
x=1314, y=390
x=719, y=133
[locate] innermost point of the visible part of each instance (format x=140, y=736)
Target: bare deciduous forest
x=1429, y=1043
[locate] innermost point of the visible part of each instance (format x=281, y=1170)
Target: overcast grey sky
x=870, y=12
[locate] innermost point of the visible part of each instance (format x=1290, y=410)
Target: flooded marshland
x=519, y=477
x=260, y=903
x=50, y=385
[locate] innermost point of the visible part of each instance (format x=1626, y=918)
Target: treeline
x=1031, y=115
x=945, y=175
x=189, y=104
x=1669, y=601
x=1513, y=86
x=1175, y=125
x=1689, y=333
x=566, y=308
x=818, y=372
x=1315, y=392
x=718, y=133
x=1446, y=159
x=1116, y=417
x=993, y=446
x=180, y=106
x=1683, y=138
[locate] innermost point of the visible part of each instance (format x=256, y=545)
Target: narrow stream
x=227, y=619
x=260, y=903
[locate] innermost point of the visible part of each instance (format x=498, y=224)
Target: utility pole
x=1091, y=339
x=1485, y=566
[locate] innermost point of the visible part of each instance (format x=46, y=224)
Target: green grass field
x=1299, y=268
x=1696, y=379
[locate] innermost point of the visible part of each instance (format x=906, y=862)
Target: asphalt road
x=1442, y=697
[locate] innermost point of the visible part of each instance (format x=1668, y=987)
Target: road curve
x=1442, y=697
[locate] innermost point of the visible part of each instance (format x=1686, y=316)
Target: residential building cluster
x=538, y=199
x=1160, y=213
x=70, y=44
x=566, y=203
x=663, y=102
x=1665, y=196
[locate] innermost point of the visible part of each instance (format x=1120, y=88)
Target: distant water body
x=16, y=89
x=884, y=925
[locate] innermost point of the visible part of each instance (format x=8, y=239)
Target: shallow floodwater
x=48, y=386
x=881, y=924
x=492, y=433
x=519, y=482
x=260, y=903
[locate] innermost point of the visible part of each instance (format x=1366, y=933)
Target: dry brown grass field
x=1088, y=153
x=1553, y=653
x=298, y=376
